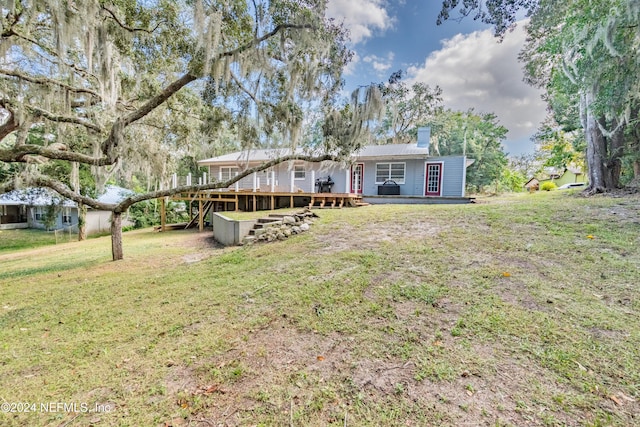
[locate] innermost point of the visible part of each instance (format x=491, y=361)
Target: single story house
x=396, y=173
x=30, y=208
x=36, y=208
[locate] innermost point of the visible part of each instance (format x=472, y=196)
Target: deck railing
x=257, y=183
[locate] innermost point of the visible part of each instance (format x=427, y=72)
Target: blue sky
x=463, y=58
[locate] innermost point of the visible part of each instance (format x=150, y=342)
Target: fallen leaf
x=506, y=274
x=320, y=358
x=469, y=392
x=615, y=399
x=437, y=343
x=590, y=237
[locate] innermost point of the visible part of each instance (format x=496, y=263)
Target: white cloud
x=476, y=71
x=361, y=17
x=380, y=65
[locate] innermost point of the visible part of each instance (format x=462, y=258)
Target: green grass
x=13, y=240
x=500, y=313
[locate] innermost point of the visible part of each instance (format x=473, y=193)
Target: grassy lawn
x=511, y=312
x=12, y=240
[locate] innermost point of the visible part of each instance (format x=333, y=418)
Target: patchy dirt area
x=278, y=369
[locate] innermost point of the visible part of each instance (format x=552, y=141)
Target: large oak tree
x=122, y=84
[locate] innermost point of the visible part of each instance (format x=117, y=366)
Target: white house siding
x=282, y=174
x=98, y=221
x=454, y=169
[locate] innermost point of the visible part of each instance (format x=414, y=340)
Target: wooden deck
x=247, y=200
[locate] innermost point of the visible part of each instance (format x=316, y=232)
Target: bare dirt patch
x=371, y=235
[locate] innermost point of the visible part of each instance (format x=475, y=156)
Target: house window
x=227, y=172
x=299, y=172
x=39, y=213
x=392, y=171
x=66, y=216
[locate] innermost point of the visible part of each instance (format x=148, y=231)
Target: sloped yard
x=521, y=311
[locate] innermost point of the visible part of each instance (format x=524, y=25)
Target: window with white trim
x=227, y=172
x=66, y=215
x=299, y=172
x=38, y=213
x=390, y=171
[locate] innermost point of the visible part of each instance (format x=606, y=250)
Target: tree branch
x=47, y=82
x=126, y=27
x=10, y=125
x=62, y=119
x=17, y=155
x=188, y=77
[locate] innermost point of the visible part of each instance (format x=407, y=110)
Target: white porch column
x=293, y=177
x=273, y=181
x=255, y=181
x=347, y=181
x=189, y=179
x=174, y=180
x=204, y=178
x=199, y=180
x=313, y=181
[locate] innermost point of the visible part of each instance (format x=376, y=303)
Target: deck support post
x=200, y=219
x=347, y=181
x=313, y=181
x=163, y=214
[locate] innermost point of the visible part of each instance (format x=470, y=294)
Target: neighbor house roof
x=34, y=197
x=114, y=194
x=390, y=152
x=254, y=155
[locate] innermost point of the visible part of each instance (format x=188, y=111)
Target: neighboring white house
x=29, y=208
x=37, y=208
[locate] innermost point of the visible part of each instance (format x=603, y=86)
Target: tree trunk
x=616, y=149
x=596, y=147
x=116, y=236
x=82, y=222
x=636, y=169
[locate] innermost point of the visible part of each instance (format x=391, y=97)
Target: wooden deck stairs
x=205, y=210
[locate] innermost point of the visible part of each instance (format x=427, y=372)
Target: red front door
x=357, y=178
x=433, y=183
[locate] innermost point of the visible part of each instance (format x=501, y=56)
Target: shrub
x=548, y=186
